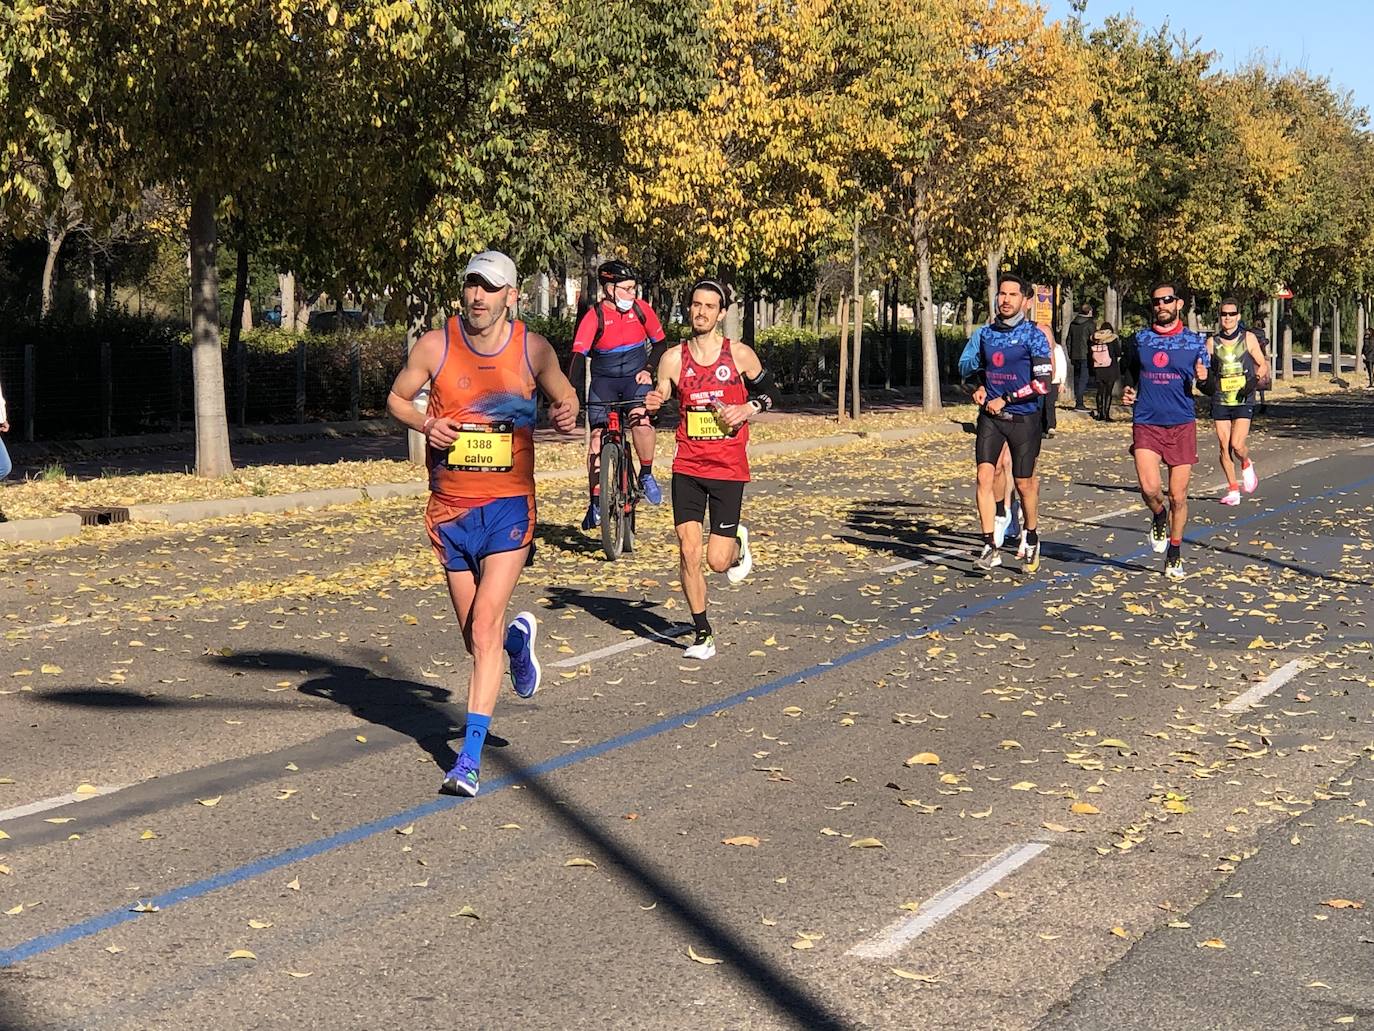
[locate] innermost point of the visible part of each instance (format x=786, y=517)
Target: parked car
x=332, y=320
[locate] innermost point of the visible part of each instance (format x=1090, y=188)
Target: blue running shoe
x=592, y=519
x=653, y=493
x=462, y=779
x=1014, y=527
x=524, y=667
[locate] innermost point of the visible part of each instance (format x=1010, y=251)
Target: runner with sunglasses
x=1159, y=368
x=1240, y=365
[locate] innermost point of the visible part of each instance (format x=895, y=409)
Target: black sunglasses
x=1166, y=299
x=1228, y=314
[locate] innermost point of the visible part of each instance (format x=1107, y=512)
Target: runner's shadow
x=1071, y=555
x=655, y=883
x=424, y=712
x=637, y=615
x=892, y=527
x=1124, y=488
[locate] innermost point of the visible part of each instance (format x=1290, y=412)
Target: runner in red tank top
x=720, y=385
x=484, y=372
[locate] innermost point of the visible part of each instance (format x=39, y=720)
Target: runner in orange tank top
x=720, y=385
x=484, y=373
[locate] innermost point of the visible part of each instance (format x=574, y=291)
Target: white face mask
x=624, y=303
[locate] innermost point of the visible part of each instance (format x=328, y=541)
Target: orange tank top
x=493, y=398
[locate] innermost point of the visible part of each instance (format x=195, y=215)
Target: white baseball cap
x=494, y=268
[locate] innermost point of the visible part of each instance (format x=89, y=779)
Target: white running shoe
x=1022, y=549
x=1231, y=498
x=999, y=529
x=704, y=647
x=1248, y=478
x=1173, y=569
x=1159, y=536
x=744, y=564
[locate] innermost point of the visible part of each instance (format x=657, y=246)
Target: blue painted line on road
x=237, y=875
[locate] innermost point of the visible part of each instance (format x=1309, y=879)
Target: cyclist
x=622, y=338
x=484, y=373
x=1240, y=366
x=1159, y=368
x=720, y=384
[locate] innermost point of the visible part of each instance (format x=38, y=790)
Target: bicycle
x=620, y=488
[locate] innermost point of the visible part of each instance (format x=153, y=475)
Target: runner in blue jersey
x=1014, y=362
x=1159, y=368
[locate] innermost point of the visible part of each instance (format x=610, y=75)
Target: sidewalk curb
x=58, y=527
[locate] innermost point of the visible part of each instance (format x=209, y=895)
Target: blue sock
x=475, y=736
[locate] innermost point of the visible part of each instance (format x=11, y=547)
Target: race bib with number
x=483, y=447
x=704, y=424
x=1233, y=385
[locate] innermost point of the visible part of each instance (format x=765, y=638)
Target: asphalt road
x=902, y=796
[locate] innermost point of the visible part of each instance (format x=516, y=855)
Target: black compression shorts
x=691, y=493
x=1021, y=434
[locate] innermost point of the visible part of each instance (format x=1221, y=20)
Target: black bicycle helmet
x=616, y=271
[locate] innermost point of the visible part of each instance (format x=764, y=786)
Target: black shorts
x=690, y=494
x=1021, y=433
x=612, y=388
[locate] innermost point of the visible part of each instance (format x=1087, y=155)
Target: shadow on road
x=637, y=615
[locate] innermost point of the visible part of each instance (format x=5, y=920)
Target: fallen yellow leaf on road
x=923, y=759
x=259, y=925
x=1120, y=932
x=1212, y=943
x=297, y=973
x=743, y=840
x=579, y=861
x=468, y=912
x=241, y=954
x=360, y=739
x=1084, y=809
x=87, y=789
x=210, y=802
x=1343, y=904
x=294, y=884
x=908, y=975
x=866, y=843
x=704, y=960
x=406, y=830
x=51, y=669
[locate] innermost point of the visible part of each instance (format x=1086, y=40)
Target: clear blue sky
x=1332, y=38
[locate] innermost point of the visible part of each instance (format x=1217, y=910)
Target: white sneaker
x=1231, y=498
x=999, y=529
x=1248, y=478
x=1022, y=549
x=741, y=568
x=1173, y=569
x=704, y=647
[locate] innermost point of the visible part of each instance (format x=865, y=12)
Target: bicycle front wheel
x=612, y=501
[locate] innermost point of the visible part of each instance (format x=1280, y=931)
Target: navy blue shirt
x=1162, y=368
x=1011, y=359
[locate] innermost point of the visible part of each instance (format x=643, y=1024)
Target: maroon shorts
x=1176, y=445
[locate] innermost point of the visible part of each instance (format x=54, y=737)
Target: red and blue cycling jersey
x=622, y=348
x=1161, y=365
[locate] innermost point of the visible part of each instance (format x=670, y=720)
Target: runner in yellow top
x=484, y=372
x=1240, y=366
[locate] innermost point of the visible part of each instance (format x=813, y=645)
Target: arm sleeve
x=586, y=331
x=577, y=372
x=971, y=359
x=656, y=354
x=762, y=389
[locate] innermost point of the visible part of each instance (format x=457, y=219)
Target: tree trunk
x=994, y=267
x=930, y=359
x=751, y=314
x=416, y=317
x=108, y=273
x=91, y=303
x=1110, y=302
x=1316, y=351
x=1192, y=314
x=1287, y=342
x=212, y=424
x=55, y=238
x=1359, y=331
x=286, y=284
x=1065, y=314
x=236, y=321
x=843, y=315
x=796, y=313
x=856, y=404
x=816, y=313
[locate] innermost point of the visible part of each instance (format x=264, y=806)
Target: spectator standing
x=1080, y=337
x=1105, y=352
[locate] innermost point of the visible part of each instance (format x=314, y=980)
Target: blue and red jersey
x=1162, y=367
x=1011, y=359
x=622, y=349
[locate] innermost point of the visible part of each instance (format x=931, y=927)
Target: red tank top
x=492, y=396
x=704, y=447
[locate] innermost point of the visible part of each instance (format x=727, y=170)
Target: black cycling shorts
x=612, y=388
x=1021, y=434
x=691, y=493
